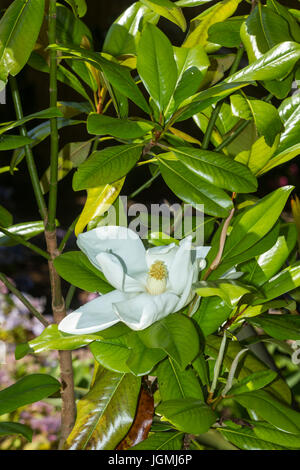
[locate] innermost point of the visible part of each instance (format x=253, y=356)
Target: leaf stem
x=28, y=152
x=22, y=241
x=23, y=299
x=68, y=234
x=217, y=368
x=145, y=185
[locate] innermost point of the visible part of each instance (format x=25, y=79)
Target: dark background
x=15, y=191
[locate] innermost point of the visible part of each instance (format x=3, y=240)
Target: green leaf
x=283, y=282
x=79, y=7
x=107, y=166
x=106, y=413
x=192, y=64
x=26, y=230
x=246, y=439
x=99, y=124
x=217, y=169
x=156, y=65
x=191, y=3
x=200, y=25
x=273, y=411
x=75, y=268
x=230, y=291
x=277, y=63
x=266, y=431
x=50, y=339
x=19, y=29
x=281, y=327
x=194, y=190
x=287, y=15
x=6, y=218
x=255, y=222
x=27, y=390
x=175, y=383
x=45, y=114
x=125, y=354
x=253, y=382
x=11, y=142
x=161, y=441
x=8, y=429
x=188, y=415
x=212, y=312
x=168, y=10
x=260, y=269
x=258, y=156
x=265, y=115
x=226, y=33
x=176, y=335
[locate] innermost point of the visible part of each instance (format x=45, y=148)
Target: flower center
x=157, y=278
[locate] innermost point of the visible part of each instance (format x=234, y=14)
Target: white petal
x=113, y=270
x=120, y=241
x=144, y=309
x=179, y=274
x=232, y=274
x=202, y=251
x=165, y=253
x=94, y=316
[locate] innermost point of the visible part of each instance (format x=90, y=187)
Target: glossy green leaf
x=281, y=327
x=287, y=15
x=192, y=64
x=99, y=124
x=19, y=29
x=283, y=282
x=200, y=25
x=75, y=268
x=230, y=291
x=226, y=33
x=191, y=3
x=15, y=429
x=188, y=415
x=106, y=166
x=26, y=230
x=105, y=414
x=273, y=411
x=50, y=339
x=156, y=65
x=175, y=383
x=245, y=438
x=268, y=432
x=217, y=169
x=176, y=335
x=194, y=190
x=45, y=114
x=265, y=115
x=253, y=382
x=27, y=390
x=11, y=142
x=258, y=156
x=168, y=10
x=161, y=441
x=277, y=63
x=255, y=222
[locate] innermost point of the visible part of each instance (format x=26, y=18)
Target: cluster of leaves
x=241, y=138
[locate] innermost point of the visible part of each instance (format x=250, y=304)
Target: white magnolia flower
x=149, y=284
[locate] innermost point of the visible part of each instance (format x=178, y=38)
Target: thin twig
x=23, y=299
x=67, y=235
x=223, y=235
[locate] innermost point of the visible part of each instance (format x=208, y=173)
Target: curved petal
x=202, y=251
x=113, y=270
x=188, y=293
x=165, y=253
x=179, y=274
x=144, y=309
x=94, y=316
x=120, y=241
